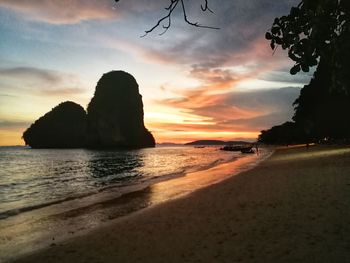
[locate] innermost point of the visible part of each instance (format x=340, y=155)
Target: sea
x=45, y=192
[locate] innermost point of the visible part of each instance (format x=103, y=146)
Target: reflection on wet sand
x=44, y=227
x=181, y=186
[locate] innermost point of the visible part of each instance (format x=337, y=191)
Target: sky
x=196, y=83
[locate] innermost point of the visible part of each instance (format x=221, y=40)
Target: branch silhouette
x=165, y=21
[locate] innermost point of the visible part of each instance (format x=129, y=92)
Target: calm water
x=32, y=179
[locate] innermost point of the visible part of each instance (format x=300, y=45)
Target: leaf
x=279, y=41
x=272, y=45
x=275, y=30
x=268, y=36
x=294, y=11
x=305, y=68
x=295, y=69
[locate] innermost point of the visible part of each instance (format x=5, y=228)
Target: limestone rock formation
x=114, y=119
x=115, y=114
x=63, y=127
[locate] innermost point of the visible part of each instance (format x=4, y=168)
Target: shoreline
x=47, y=226
x=293, y=207
x=113, y=191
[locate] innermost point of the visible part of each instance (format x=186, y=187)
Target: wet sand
x=293, y=207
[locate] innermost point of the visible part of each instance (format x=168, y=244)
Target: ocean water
x=34, y=178
x=48, y=196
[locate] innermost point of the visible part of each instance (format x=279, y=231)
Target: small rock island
x=114, y=119
x=63, y=127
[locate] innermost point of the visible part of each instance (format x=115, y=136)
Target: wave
x=120, y=189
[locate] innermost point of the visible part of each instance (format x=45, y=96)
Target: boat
x=235, y=148
x=247, y=150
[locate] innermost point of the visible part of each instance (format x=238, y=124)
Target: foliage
x=316, y=32
x=314, y=29
x=320, y=113
x=286, y=133
x=323, y=113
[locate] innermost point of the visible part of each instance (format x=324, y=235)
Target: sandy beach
x=293, y=207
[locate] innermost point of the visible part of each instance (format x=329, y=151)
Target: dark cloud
x=30, y=72
x=40, y=81
x=263, y=108
x=242, y=23
x=285, y=76
x=278, y=99
x=62, y=91
x=8, y=125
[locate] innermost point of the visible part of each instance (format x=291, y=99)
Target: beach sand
x=293, y=207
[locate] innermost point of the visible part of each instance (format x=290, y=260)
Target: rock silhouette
x=63, y=127
x=114, y=119
x=115, y=113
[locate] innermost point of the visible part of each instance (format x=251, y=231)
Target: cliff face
x=115, y=114
x=63, y=127
x=115, y=119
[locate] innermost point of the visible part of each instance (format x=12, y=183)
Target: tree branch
x=206, y=7
x=165, y=21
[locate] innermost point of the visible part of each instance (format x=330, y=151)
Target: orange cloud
x=190, y=132
x=62, y=11
x=231, y=114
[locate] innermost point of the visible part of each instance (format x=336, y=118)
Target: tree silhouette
x=316, y=30
x=286, y=133
x=321, y=112
x=315, y=33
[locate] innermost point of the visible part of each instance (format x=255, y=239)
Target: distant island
x=169, y=144
x=114, y=118
x=216, y=142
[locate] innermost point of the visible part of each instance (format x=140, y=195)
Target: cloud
x=218, y=60
x=243, y=112
x=9, y=125
x=283, y=75
x=62, y=91
x=221, y=60
x=241, y=24
x=254, y=110
x=40, y=81
x=30, y=72
x=63, y=11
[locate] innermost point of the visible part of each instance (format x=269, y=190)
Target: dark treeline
x=320, y=113
x=316, y=33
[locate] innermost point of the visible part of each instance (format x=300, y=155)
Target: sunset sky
x=196, y=83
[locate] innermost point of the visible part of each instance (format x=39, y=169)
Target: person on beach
x=256, y=148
